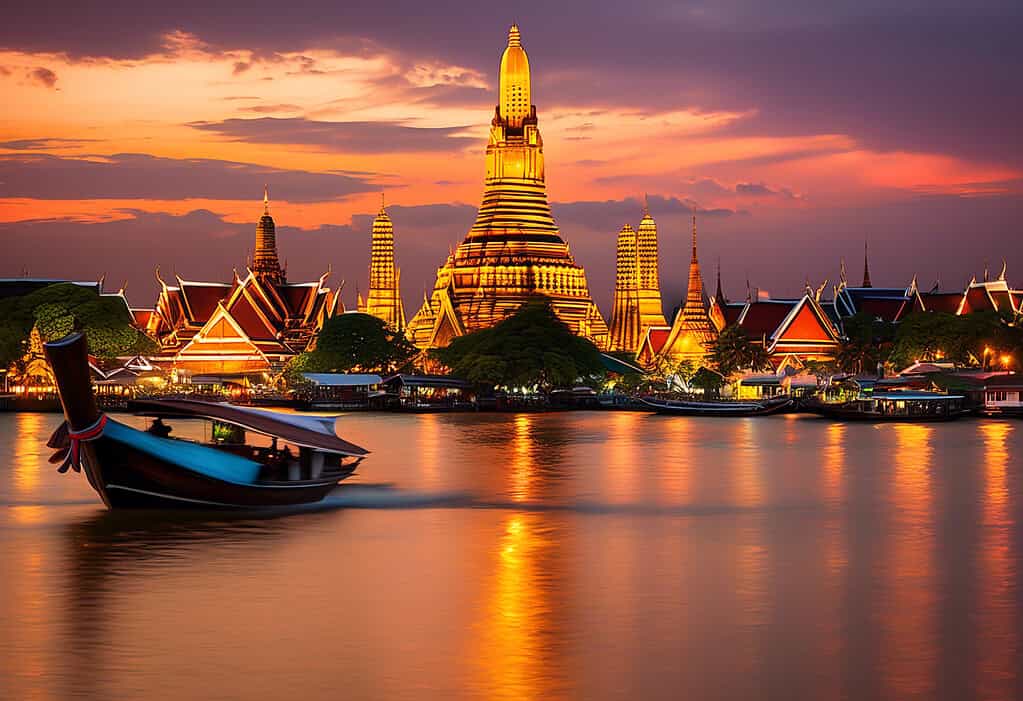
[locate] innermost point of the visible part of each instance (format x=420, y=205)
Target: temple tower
x=692, y=330
x=625, y=325
x=264, y=262
x=384, y=298
x=651, y=310
x=514, y=250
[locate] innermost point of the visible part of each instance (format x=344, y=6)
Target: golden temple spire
x=266, y=198
x=694, y=237
x=383, y=204
x=515, y=102
x=646, y=206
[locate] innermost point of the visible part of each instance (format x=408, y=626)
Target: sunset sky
x=797, y=130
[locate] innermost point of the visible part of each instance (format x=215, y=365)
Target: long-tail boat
x=765, y=407
x=896, y=405
x=129, y=467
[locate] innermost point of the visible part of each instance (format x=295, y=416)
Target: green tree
x=867, y=342
x=532, y=347
x=733, y=351
x=355, y=342
x=709, y=381
x=57, y=310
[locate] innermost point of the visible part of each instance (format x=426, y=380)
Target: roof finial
x=266, y=198
x=646, y=206
x=1001, y=275
x=694, y=235
x=514, y=39
x=866, y=267
x=718, y=294
x=383, y=204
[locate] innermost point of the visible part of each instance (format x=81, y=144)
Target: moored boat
x=765, y=407
x=897, y=405
x=129, y=467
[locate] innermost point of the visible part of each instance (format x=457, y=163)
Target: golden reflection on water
x=834, y=461
x=909, y=621
x=746, y=468
x=997, y=636
x=428, y=447
x=622, y=468
x=682, y=455
x=512, y=649
x=27, y=446
x=522, y=467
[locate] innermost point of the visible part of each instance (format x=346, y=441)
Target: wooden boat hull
x=720, y=409
x=128, y=478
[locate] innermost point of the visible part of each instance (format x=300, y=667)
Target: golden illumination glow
x=514, y=250
x=27, y=457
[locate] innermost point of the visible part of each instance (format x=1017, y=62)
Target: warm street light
x=1006, y=359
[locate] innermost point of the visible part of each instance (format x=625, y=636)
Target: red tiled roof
x=763, y=318
x=731, y=313
x=202, y=299
x=1002, y=300
x=141, y=317
x=1003, y=381
x=248, y=318
x=942, y=301
x=658, y=336
x=296, y=297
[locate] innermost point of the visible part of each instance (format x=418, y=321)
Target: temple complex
x=514, y=250
x=384, y=298
x=244, y=330
x=691, y=332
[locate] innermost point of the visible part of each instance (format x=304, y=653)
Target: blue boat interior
x=211, y=462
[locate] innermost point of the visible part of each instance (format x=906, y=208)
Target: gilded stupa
x=384, y=298
x=692, y=332
x=651, y=311
x=514, y=250
x=624, y=334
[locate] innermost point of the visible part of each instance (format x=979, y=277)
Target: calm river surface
x=577, y=555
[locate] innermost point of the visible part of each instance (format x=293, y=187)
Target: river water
x=576, y=555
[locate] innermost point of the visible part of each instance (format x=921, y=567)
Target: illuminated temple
x=384, y=298
x=244, y=330
x=514, y=250
x=637, y=294
x=691, y=333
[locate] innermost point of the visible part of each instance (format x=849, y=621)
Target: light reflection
x=522, y=467
x=747, y=480
x=428, y=446
x=622, y=467
x=910, y=618
x=27, y=458
x=997, y=636
x=512, y=650
x=834, y=461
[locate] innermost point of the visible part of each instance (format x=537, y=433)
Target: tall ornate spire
x=692, y=329
x=264, y=261
x=514, y=250
x=866, y=267
x=718, y=294
x=625, y=316
x=651, y=311
x=384, y=297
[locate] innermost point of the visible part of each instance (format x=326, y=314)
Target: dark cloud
x=43, y=76
x=140, y=176
x=343, y=137
x=42, y=144
x=269, y=109
x=762, y=190
x=240, y=67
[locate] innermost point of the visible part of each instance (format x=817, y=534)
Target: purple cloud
x=140, y=176
x=343, y=137
x=43, y=76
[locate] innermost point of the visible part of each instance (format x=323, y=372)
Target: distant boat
x=897, y=405
x=764, y=407
x=132, y=468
